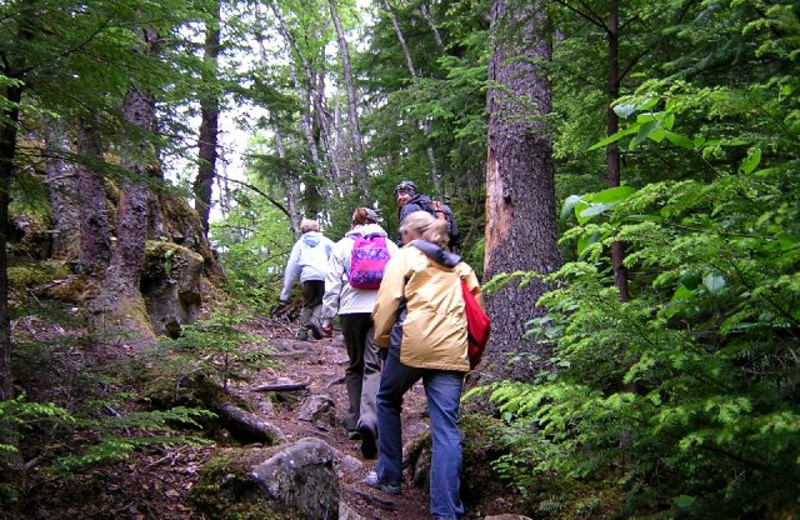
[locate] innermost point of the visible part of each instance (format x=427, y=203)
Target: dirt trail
x=321, y=365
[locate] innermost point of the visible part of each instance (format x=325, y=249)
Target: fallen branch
x=388, y=505
x=286, y=387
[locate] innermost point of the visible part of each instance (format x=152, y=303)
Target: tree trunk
x=95, y=251
x=209, y=125
x=62, y=187
x=612, y=150
x=8, y=149
x=434, y=171
x=426, y=13
x=352, y=105
x=290, y=187
x=521, y=229
x=313, y=194
x=119, y=306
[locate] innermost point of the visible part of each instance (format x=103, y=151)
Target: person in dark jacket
x=409, y=201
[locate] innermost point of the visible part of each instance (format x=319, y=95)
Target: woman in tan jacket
x=419, y=316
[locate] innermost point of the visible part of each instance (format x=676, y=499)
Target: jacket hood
x=312, y=238
x=366, y=229
x=436, y=253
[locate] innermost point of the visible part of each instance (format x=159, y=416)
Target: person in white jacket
x=354, y=307
x=309, y=260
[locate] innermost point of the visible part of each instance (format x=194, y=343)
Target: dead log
x=246, y=424
x=281, y=387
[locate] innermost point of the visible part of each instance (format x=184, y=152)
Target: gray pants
x=363, y=374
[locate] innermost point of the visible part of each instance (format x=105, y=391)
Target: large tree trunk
x=8, y=149
x=62, y=184
x=95, y=242
x=352, y=105
x=119, y=307
x=521, y=229
x=209, y=124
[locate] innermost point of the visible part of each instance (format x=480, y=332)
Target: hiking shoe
x=353, y=435
x=315, y=327
x=372, y=481
x=302, y=335
x=369, y=446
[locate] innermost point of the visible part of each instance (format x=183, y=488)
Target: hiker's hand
x=327, y=327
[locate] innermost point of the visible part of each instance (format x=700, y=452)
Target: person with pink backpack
x=355, y=270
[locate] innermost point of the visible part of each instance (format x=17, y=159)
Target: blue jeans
x=443, y=391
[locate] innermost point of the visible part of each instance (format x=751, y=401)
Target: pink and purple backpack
x=368, y=261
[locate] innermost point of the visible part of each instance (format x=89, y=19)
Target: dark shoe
x=353, y=435
x=372, y=481
x=315, y=327
x=369, y=446
x=302, y=335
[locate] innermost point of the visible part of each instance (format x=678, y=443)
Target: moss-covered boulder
x=295, y=482
x=480, y=484
x=171, y=284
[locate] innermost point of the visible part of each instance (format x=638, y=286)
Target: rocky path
x=318, y=366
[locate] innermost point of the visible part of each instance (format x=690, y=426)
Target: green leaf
x=597, y=203
x=615, y=137
x=680, y=140
x=684, y=501
x=681, y=293
x=753, y=160
x=585, y=241
x=645, y=131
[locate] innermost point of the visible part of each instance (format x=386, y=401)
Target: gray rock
x=302, y=478
x=319, y=410
x=296, y=481
x=348, y=513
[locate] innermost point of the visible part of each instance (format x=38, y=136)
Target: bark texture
x=119, y=307
x=62, y=184
x=95, y=250
x=209, y=125
x=521, y=229
x=8, y=147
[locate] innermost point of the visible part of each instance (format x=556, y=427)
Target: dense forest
x=625, y=174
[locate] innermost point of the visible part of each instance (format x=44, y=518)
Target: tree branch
x=260, y=192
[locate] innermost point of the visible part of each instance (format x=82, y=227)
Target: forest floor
x=155, y=482
x=321, y=365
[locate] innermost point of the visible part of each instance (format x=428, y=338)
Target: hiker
x=419, y=317
x=309, y=259
x=409, y=201
x=354, y=306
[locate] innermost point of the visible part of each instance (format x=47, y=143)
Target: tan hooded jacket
x=420, y=307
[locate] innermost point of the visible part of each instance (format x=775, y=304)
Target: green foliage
x=214, y=347
x=697, y=374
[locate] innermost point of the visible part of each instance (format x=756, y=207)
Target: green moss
x=31, y=274
x=71, y=289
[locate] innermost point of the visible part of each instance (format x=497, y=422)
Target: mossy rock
x=234, y=485
x=32, y=274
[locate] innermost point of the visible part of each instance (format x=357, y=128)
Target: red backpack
x=478, y=326
x=368, y=262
